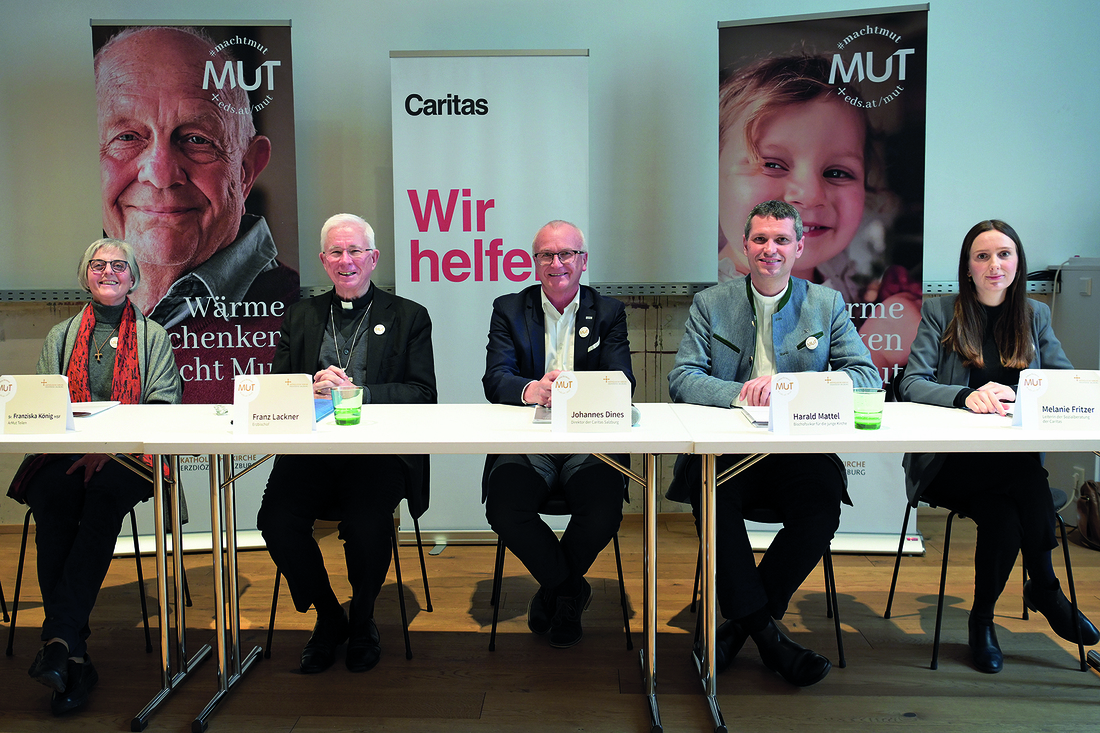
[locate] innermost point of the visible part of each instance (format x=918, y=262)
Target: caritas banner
x=487, y=147
x=196, y=150
x=827, y=113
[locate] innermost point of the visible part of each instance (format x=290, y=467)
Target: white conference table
x=408, y=429
x=122, y=431
x=906, y=427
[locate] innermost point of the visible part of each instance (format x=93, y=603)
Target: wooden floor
x=454, y=683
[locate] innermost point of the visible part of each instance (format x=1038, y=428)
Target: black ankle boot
x=1052, y=603
x=983, y=645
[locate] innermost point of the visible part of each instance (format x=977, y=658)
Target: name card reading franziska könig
x=1058, y=399
x=811, y=403
x=273, y=404
x=590, y=402
x=36, y=404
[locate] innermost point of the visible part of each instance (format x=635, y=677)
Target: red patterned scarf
x=126, y=379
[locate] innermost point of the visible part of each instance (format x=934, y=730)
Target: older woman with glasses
x=108, y=351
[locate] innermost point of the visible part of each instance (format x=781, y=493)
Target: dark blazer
x=516, y=352
x=400, y=364
x=935, y=375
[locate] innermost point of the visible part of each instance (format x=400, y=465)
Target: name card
x=811, y=403
x=271, y=404
x=36, y=404
x=1058, y=399
x=590, y=402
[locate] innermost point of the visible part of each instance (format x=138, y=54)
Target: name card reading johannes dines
x=273, y=403
x=590, y=402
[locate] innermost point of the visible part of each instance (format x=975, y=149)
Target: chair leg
x=274, y=607
x=141, y=584
x=943, y=586
x=897, y=560
x=498, y=580
x=1072, y=591
x=698, y=575
x=423, y=567
x=401, y=594
x=834, y=606
x=1022, y=601
x=3, y=604
x=622, y=593
x=186, y=590
x=18, y=584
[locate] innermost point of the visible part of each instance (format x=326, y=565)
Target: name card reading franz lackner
x=1058, y=399
x=273, y=404
x=811, y=403
x=590, y=402
x=36, y=404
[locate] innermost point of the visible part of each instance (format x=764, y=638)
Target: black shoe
x=538, y=612
x=364, y=648
x=51, y=666
x=731, y=637
x=983, y=645
x=565, y=627
x=798, y=665
x=1053, y=604
x=320, y=651
x=82, y=678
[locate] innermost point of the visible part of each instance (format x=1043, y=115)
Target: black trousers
x=359, y=491
x=1008, y=497
x=518, y=486
x=76, y=525
x=805, y=491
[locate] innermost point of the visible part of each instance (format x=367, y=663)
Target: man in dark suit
x=354, y=335
x=535, y=334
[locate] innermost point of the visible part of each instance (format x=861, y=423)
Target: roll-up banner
x=828, y=114
x=487, y=147
x=196, y=150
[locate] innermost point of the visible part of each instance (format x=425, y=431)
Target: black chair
x=832, y=608
x=400, y=589
x=140, y=577
x=1058, y=498
x=555, y=505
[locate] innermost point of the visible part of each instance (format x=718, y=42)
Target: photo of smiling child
x=812, y=130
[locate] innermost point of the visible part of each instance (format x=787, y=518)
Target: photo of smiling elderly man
x=179, y=155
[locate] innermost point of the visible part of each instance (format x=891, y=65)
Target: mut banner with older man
x=205, y=193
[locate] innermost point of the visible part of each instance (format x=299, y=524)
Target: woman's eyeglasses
x=101, y=265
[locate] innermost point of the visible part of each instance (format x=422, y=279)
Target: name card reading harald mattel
x=272, y=404
x=36, y=404
x=811, y=403
x=1058, y=399
x=590, y=402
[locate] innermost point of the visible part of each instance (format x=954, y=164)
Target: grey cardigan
x=935, y=375
x=160, y=380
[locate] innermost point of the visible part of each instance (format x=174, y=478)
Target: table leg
x=223, y=526
x=169, y=681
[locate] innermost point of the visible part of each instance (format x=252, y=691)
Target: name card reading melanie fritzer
x=590, y=402
x=1058, y=399
x=36, y=404
x=273, y=404
x=811, y=403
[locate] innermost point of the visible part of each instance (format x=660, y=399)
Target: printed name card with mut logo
x=811, y=403
x=1058, y=399
x=36, y=404
x=590, y=402
x=272, y=404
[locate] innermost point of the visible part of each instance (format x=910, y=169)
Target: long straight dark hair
x=1012, y=331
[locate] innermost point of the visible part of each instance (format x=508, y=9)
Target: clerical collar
x=358, y=303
